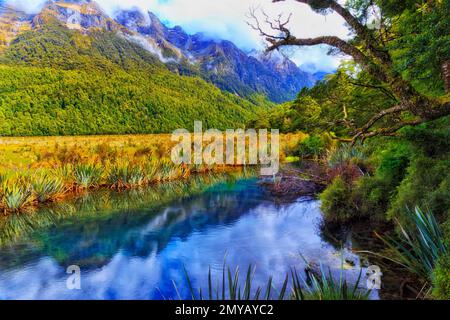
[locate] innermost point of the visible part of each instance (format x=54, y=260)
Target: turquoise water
x=139, y=253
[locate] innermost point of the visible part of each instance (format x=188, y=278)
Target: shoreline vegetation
x=36, y=171
x=103, y=201
x=39, y=172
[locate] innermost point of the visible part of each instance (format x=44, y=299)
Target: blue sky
x=226, y=19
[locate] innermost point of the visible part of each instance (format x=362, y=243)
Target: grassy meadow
x=37, y=170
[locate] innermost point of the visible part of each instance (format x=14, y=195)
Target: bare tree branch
x=361, y=30
x=371, y=54
x=391, y=131
x=283, y=37
x=380, y=115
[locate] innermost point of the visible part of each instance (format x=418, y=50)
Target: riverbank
x=39, y=170
x=378, y=240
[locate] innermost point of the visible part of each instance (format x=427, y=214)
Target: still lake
x=135, y=244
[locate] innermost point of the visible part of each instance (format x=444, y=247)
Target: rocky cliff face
x=218, y=61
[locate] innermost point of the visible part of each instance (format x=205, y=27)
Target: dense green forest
x=381, y=123
x=54, y=81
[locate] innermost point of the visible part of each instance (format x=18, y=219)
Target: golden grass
x=34, y=170
x=23, y=153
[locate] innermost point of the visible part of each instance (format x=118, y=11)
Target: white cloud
x=226, y=19
x=28, y=6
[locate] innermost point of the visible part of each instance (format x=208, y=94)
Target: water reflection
x=137, y=252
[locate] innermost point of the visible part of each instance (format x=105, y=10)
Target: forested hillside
x=56, y=81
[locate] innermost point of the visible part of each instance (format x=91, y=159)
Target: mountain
x=12, y=23
x=91, y=79
x=73, y=69
x=222, y=62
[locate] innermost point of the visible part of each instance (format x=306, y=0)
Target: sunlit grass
x=56, y=166
x=47, y=187
x=16, y=192
x=87, y=175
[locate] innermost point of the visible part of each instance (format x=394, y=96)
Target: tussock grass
x=55, y=166
x=15, y=193
x=47, y=187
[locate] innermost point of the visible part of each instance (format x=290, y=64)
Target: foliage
x=110, y=86
x=313, y=147
x=346, y=153
x=87, y=175
x=325, y=287
x=422, y=243
x=338, y=104
x=335, y=202
x=322, y=287
x=47, y=187
x=15, y=193
x=424, y=45
x=441, y=278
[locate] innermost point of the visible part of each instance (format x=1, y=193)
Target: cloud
x=28, y=6
x=226, y=19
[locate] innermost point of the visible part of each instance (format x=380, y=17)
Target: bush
x=313, y=147
x=427, y=184
x=372, y=197
x=441, y=278
x=335, y=202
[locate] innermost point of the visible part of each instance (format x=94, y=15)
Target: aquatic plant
x=421, y=243
x=15, y=193
x=324, y=286
x=87, y=175
x=126, y=176
x=317, y=287
x=46, y=187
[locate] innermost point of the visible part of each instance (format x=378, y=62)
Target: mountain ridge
x=217, y=61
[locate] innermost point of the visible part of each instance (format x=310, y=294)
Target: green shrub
x=427, y=184
x=441, y=278
x=313, y=147
x=371, y=196
x=335, y=202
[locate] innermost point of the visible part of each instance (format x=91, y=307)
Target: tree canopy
x=402, y=52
